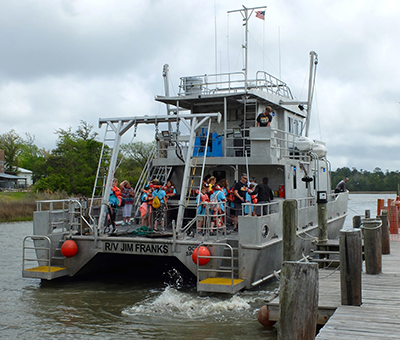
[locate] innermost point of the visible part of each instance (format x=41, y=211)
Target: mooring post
x=298, y=301
x=350, y=266
x=372, y=246
x=367, y=214
x=385, y=232
x=289, y=230
x=357, y=221
x=322, y=220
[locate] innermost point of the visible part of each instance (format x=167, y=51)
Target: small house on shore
x=11, y=181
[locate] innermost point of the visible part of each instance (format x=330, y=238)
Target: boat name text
x=136, y=248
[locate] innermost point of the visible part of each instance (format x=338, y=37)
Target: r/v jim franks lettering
x=138, y=248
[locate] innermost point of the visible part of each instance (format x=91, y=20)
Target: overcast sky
x=63, y=61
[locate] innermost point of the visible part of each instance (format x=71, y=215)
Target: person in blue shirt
x=115, y=202
x=159, y=213
x=218, y=210
x=202, y=197
x=145, y=208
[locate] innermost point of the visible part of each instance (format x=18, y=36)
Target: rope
x=311, y=238
x=333, y=271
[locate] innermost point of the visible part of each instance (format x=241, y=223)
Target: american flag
x=260, y=15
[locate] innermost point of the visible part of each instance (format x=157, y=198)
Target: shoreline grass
x=19, y=206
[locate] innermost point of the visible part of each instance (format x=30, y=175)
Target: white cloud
x=65, y=61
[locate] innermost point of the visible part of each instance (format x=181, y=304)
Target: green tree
x=135, y=156
x=11, y=143
x=32, y=158
x=72, y=165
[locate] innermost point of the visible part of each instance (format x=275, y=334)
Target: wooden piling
x=350, y=266
x=357, y=221
x=322, y=223
x=298, y=308
x=372, y=246
x=289, y=230
x=385, y=232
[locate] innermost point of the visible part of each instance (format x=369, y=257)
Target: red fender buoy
x=263, y=317
x=69, y=248
x=203, y=251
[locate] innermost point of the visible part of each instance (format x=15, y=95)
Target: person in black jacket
x=264, y=195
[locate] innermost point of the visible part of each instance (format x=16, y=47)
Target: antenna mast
x=246, y=13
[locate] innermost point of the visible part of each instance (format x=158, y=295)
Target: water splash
x=174, y=278
x=188, y=306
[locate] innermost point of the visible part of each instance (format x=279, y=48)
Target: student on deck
x=115, y=190
x=145, y=208
x=159, y=213
x=115, y=202
x=202, y=197
x=239, y=191
x=211, y=182
x=127, y=196
x=218, y=210
x=169, y=189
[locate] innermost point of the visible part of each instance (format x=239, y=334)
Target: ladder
x=224, y=278
x=149, y=172
x=161, y=173
x=103, y=165
x=37, y=249
x=250, y=116
x=194, y=180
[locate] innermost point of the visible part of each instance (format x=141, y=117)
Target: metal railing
x=66, y=215
x=260, y=209
x=46, y=250
x=212, y=223
x=216, y=257
x=233, y=82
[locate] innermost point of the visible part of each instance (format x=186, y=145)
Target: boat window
x=290, y=125
x=295, y=127
x=300, y=128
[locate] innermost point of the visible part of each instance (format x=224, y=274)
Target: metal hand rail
x=204, y=270
x=25, y=247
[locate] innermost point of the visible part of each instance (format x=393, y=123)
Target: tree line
x=363, y=180
x=71, y=167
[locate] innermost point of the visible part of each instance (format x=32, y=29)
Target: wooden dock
x=379, y=315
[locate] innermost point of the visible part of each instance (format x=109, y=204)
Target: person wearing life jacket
x=218, y=210
x=145, y=208
x=250, y=198
x=159, y=213
x=128, y=193
x=211, y=182
x=230, y=198
x=115, y=202
x=202, y=197
x=169, y=189
x=116, y=191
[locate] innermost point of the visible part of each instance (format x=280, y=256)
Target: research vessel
x=209, y=128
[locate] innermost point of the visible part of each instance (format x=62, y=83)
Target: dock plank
x=379, y=315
